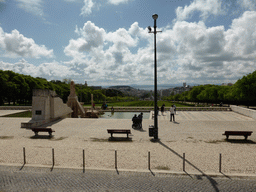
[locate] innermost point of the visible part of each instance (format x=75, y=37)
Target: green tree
x=244, y=90
x=192, y=95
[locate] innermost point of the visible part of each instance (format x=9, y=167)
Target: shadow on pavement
x=225, y=175
x=152, y=172
x=212, y=181
x=41, y=137
x=240, y=141
x=22, y=167
x=120, y=139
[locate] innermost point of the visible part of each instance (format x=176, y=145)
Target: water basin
x=123, y=115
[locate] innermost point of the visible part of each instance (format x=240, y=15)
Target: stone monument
x=46, y=107
x=74, y=104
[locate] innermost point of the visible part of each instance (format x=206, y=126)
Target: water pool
x=123, y=115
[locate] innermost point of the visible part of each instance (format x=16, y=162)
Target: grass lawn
x=22, y=114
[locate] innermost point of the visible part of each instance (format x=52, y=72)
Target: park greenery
x=243, y=92
x=17, y=89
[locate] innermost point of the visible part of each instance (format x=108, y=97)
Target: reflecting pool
x=123, y=115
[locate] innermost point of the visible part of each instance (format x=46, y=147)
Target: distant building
x=227, y=84
x=184, y=84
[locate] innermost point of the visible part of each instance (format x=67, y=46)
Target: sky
x=106, y=42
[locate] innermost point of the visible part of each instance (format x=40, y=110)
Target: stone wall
x=46, y=107
x=40, y=108
x=58, y=108
x=244, y=111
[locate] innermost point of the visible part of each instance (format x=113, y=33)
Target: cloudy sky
x=106, y=42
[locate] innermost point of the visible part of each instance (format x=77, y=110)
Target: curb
x=151, y=172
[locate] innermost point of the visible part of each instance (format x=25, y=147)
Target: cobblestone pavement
x=44, y=179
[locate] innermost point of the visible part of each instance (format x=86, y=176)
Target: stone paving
x=44, y=179
x=197, y=134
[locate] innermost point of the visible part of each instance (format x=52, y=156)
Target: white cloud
x=34, y=7
x=189, y=51
x=205, y=7
x=213, y=55
x=241, y=37
x=117, y=2
x=87, y=8
x=248, y=4
x=15, y=44
x=89, y=5
x=50, y=71
x=92, y=37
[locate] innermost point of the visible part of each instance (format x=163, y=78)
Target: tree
x=245, y=89
x=192, y=95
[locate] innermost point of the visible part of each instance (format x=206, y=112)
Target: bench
x=119, y=131
x=42, y=129
x=238, y=133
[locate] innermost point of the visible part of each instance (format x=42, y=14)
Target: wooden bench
x=42, y=129
x=238, y=133
x=119, y=131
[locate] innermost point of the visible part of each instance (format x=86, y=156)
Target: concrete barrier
x=148, y=109
x=15, y=107
x=244, y=111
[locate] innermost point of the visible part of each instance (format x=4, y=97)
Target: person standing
x=162, y=109
x=174, y=109
x=172, y=113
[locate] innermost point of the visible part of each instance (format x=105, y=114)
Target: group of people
x=104, y=106
x=172, y=111
x=137, y=121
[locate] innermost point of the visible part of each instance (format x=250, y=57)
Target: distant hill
x=130, y=91
x=120, y=87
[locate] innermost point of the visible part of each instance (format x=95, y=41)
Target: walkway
x=42, y=179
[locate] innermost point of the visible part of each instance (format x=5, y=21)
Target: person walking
x=172, y=113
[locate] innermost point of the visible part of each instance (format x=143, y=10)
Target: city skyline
x=107, y=42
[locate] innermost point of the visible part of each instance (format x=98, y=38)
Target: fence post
x=24, y=155
x=53, y=162
x=115, y=159
x=83, y=161
x=184, y=162
x=220, y=164
x=149, y=160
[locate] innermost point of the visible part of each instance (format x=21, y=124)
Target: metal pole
x=220, y=164
x=184, y=162
x=53, y=158
x=155, y=95
x=115, y=159
x=24, y=155
x=149, y=160
x=83, y=161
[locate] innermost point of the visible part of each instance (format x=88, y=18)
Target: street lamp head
x=155, y=16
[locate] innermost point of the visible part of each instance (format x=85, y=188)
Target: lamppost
x=155, y=130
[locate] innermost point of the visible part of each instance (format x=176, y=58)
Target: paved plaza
x=197, y=135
